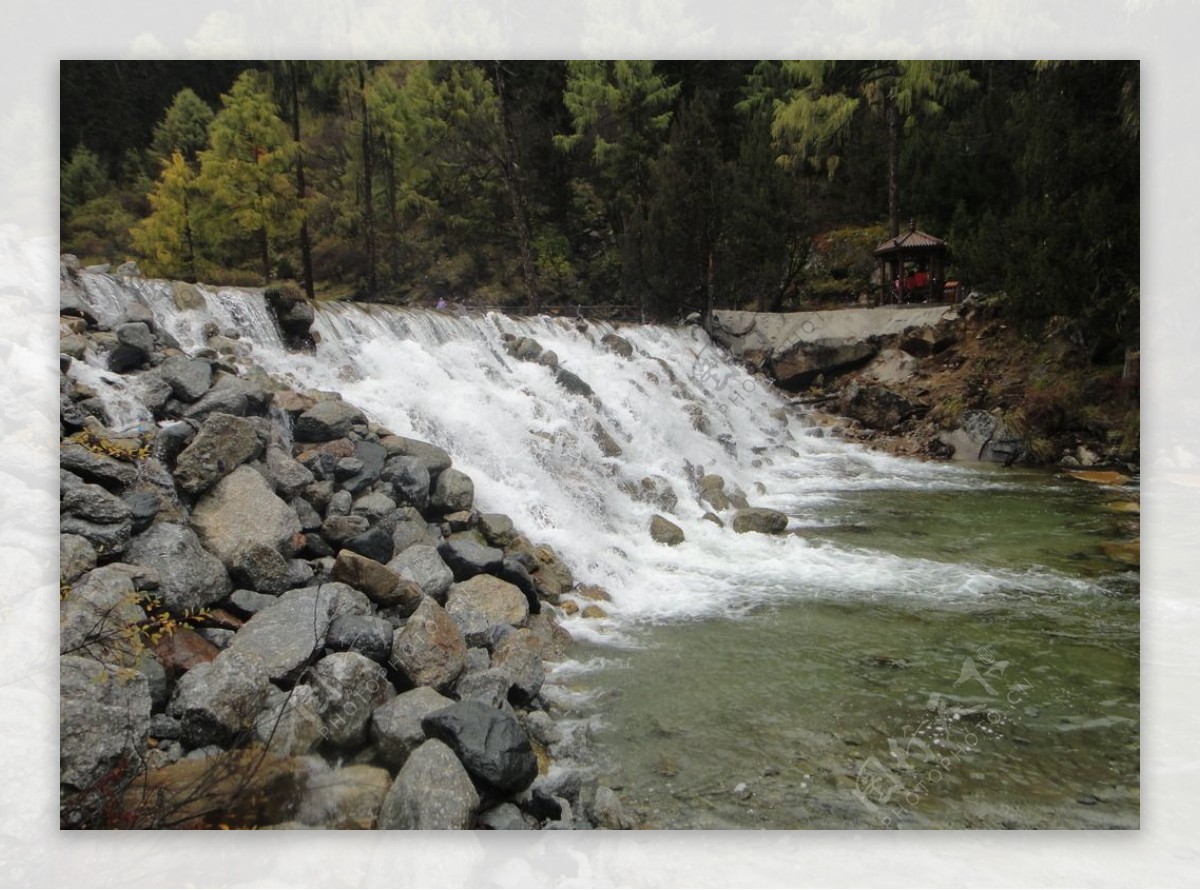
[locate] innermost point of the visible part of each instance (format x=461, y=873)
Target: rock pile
x=276, y=613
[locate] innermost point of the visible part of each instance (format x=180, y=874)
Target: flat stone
x=499, y=601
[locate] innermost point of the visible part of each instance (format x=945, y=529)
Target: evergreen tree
x=166, y=238
x=183, y=129
x=815, y=118
x=244, y=176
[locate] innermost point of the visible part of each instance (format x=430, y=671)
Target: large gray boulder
x=242, y=509
x=231, y=395
x=429, y=650
x=467, y=558
x=490, y=743
x=218, y=700
x=983, y=436
x=101, y=469
x=189, y=576
x=289, y=475
x=90, y=511
x=223, y=443
x=453, y=492
x=287, y=634
x=327, y=420
x=432, y=791
x=409, y=477
x=423, y=564
x=104, y=717
x=348, y=686
x=189, y=378
x=368, y=635
x=434, y=459
x=519, y=655
x=877, y=407
x=498, y=601
x=797, y=367
x=759, y=519
x=396, y=725
x=97, y=614
x=664, y=531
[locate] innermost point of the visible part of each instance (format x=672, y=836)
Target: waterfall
x=676, y=409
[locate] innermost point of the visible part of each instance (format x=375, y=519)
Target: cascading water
x=676, y=409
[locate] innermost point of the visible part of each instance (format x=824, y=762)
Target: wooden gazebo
x=912, y=268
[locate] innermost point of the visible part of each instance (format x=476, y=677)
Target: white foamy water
x=677, y=408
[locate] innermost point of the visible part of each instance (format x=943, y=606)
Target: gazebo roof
x=913, y=239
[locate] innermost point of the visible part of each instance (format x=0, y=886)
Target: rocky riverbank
x=277, y=614
x=949, y=382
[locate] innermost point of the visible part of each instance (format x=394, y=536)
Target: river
x=930, y=645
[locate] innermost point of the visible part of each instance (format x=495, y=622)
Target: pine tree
x=166, y=238
x=244, y=175
x=184, y=128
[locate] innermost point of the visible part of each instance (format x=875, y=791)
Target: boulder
x=519, y=656
x=97, y=614
x=368, y=635
x=466, y=559
x=223, y=443
x=983, y=436
x=231, y=395
x=431, y=791
x=189, y=576
x=506, y=817
x=490, y=743
x=434, y=459
x=348, y=686
x=429, y=649
x=217, y=701
x=759, y=519
x=189, y=378
x=104, y=719
x=876, y=406
x=797, y=367
x=664, y=531
x=338, y=528
x=498, y=601
x=607, y=812
x=289, y=476
x=453, y=491
x=91, y=512
x=411, y=528
x=572, y=383
x=422, y=563
x=374, y=543
x=76, y=556
x=617, y=344
x=489, y=686
x=260, y=567
x=497, y=529
x=111, y=473
x=287, y=634
x=381, y=585
x=289, y=723
x=242, y=509
x=327, y=420
x=396, y=724
x=653, y=490
x=409, y=477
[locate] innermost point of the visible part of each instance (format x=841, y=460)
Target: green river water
x=1015, y=709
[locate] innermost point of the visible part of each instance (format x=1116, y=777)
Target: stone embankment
x=277, y=614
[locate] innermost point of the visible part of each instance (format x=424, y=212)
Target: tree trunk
x=306, y=267
x=368, y=182
x=893, y=122
x=516, y=194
